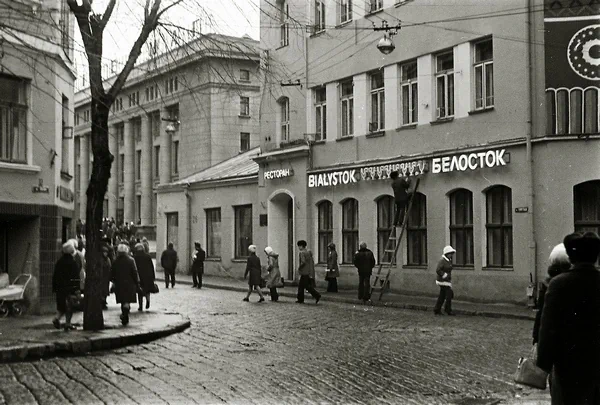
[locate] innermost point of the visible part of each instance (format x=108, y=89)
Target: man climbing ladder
x=401, y=195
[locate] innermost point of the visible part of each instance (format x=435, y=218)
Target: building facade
x=36, y=145
x=178, y=113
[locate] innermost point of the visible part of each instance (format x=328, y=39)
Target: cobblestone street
x=286, y=353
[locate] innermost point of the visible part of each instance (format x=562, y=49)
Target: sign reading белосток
x=471, y=161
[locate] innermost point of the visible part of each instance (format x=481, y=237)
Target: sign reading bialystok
x=278, y=173
x=471, y=161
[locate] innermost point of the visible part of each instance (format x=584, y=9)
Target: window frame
x=502, y=226
x=175, y=157
x=375, y=5
x=464, y=196
x=447, y=76
x=240, y=252
x=410, y=108
x=242, y=141
x=384, y=230
x=586, y=189
x=284, y=112
x=350, y=232
x=484, y=65
x=419, y=231
x=138, y=165
x=345, y=7
x=319, y=16
x=244, y=75
x=347, y=99
x=156, y=163
x=210, y=254
x=377, y=98
x=284, y=29
x=320, y=113
x=324, y=231
x=244, y=106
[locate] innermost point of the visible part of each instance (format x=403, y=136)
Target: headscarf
x=252, y=248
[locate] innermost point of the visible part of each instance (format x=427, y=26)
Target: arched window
x=416, y=231
x=349, y=229
x=499, y=227
x=325, y=227
x=385, y=217
x=587, y=206
x=461, y=226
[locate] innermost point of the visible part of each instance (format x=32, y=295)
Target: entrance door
x=290, y=238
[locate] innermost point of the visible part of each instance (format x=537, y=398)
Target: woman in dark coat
x=65, y=284
x=333, y=271
x=106, y=270
x=126, y=281
x=145, y=268
x=254, y=269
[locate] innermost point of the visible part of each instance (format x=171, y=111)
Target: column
x=129, y=183
x=391, y=80
x=113, y=182
x=84, y=180
x=165, y=150
x=146, y=172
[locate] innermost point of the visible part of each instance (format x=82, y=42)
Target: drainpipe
x=188, y=236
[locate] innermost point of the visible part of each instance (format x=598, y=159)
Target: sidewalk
x=34, y=337
x=389, y=299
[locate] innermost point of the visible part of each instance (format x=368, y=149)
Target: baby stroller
x=12, y=296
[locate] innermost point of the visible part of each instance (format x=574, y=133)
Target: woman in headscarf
x=145, y=268
x=126, y=280
x=274, y=279
x=253, y=268
x=333, y=271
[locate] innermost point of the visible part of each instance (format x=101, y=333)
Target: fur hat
x=122, y=248
x=269, y=250
x=139, y=247
x=252, y=248
x=582, y=248
x=68, y=248
x=448, y=249
x=331, y=245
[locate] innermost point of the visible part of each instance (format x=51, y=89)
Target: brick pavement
x=286, y=353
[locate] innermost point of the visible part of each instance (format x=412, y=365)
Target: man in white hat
x=444, y=281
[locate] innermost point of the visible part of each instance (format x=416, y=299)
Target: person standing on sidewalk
x=168, y=261
x=274, y=279
x=106, y=266
x=253, y=268
x=444, y=281
x=145, y=268
x=400, y=185
x=126, y=281
x=333, y=270
x=364, y=261
x=198, y=265
x=306, y=269
x=65, y=284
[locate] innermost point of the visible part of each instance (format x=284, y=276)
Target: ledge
x=467, y=268
x=282, y=46
x=415, y=267
x=441, y=121
x=239, y=260
x=503, y=269
x=481, y=110
x=66, y=176
x=317, y=34
x=376, y=134
x=212, y=259
x=245, y=81
x=244, y=116
x=344, y=138
x=340, y=25
x=405, y=127
x=401, y=3
x=319, y=142
x=19, y=168
x=370, y=13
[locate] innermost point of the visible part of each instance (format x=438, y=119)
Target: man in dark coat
x=145, y=268
x=400, y=186
x=198, y=265
x=569, y=339
x=126, y=281
x=65, y=284
x=306, y=269
x=106, y=270
x=168, y=261
x=364, y=261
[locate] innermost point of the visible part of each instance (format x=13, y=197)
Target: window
x=320, y=114
x=138, y=164
x=284, y=29
x=325, y=226
x=319, y=15
x=573, y=111
x=416, y=232
x=377, y=103
x=461, y=227
x=136, y=129
x=284, y=106
x=155, y=124
x=156, y=162
x=172, y=229
x=345, y=11
x=243, y=230
x=120, y=133
x=65, y=139
x=587, y=206
x=409, y=93
x=499, y=227
x=134, y=98
x=244, y=75
x=65, y=24
x=444, y=77
x=171, y=85
x=154, y=207
x=175, y=158
x=484, y=75
x=244, y=141
x=349, y=229
x=121, y=211
x=138, y=209
x=213, y=233
x=375, y=5
x=173, y=113
x=245, y=106
x=347, y=105
x=121, y=168
x=77, y=118
x=150, y=93
x=385, y=217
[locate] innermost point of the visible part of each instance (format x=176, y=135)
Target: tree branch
x=107, y=13
x=164, y=10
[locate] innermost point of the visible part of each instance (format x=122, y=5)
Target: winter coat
x=569, y=339
x=400, y=187
x=253, y=268
x=274, y=278
x=198, y=261
x=553, y=270
x=145, y=269
x=80, y=260
x=306, y=265
x=364, y=261
x=444, y=273
x=65, y=279
x=332, y=264
x=125, y=278
x=106, y=273
x=146, y=246
x=168, y=259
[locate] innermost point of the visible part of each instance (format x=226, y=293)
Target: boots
x=140, y=302
x=125, y=316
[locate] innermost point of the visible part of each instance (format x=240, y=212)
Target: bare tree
x=92, y=25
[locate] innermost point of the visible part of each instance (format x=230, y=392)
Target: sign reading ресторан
x=470, y=161
x=278, y=173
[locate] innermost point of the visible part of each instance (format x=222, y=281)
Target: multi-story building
x=36, y=145
x=178, y=113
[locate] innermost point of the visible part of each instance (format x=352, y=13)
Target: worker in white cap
x=444, y=281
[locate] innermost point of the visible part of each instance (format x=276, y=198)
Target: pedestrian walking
x=65, y=284
x=333, y=270
x=364, y=261
x=400, y=185
x=254, y=270
x=274, y=279
x=168, y=261
x=198, y=265
x=145, y=269
x=146, y=245
x=569, y=339
x=126, y=281
x=106, y=267
x=79, y=257
x=444, y=281
x=306, y=269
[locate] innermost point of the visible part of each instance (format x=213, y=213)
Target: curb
x=397, y=305
x=82, y=345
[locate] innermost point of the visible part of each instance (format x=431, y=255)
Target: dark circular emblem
x=583, y=52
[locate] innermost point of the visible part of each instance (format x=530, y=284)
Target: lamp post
x=385, y=44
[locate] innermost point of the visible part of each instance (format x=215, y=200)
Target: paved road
x=286, y=353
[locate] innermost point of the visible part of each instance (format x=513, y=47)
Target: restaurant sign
x=278, y=173
x=471, y=161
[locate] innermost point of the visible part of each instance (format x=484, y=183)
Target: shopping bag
x=529, y=374
x=155, y=289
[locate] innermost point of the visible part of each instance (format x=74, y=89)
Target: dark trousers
x=197, y=277
x=274, y=294
x=446, y=294
x=169, y=274
x=332, y=284
x=364, y=286
x=400, y=211
x=306, y=283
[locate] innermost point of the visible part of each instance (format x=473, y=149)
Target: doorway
x=280, y=230
x=290, y=238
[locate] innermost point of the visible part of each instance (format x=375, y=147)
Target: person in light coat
x=444, y=281
x=274, y=279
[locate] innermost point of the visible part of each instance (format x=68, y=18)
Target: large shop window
x=349, y=229
x=416, y=232
x=572, y=111
x=173, y=229
x=385, y=217
x=325, y=209
x=243, y=230
x=461, y=227
x=13, y=120
x=587, y=206
x=499, y=227
x=213, y=233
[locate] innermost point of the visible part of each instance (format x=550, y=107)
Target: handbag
x=154, y=289
x=529, y=374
